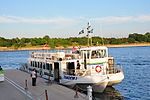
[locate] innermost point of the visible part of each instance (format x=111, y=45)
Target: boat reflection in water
x=110, y=93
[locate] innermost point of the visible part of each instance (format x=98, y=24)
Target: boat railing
x=54, y=56
x=80, y=72
x=77, y=72
x=71, y=56
x=119, y=68
x=114, y=69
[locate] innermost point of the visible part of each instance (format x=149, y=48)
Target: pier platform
x=15, y=88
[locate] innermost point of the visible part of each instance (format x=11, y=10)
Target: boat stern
x=100, y=86
x=115, y=78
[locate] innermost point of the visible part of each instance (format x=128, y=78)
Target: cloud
x=71, y=21
x=144, y=18
x=57, y=21
x=113, y=19
x=122, y=19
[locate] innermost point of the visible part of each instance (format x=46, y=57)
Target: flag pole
x=88, y=26
x=88, y=32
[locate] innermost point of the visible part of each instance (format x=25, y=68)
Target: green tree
x=147, y=35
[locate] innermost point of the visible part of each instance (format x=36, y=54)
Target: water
x=136, y=65
x=134, y=60
x=13, y=59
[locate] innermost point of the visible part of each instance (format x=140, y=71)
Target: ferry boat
x=80, y=68
x=85, y=66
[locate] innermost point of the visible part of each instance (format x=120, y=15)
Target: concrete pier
x=15, y=88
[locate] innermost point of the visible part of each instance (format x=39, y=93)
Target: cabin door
x=84, y=55
x=70, y=68
x=56, y=71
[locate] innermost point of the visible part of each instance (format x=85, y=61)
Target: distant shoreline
x=129, y=45
x=41, y=48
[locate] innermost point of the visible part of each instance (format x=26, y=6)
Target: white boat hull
x=100, y=87
x=98, y=83
x=115, y=78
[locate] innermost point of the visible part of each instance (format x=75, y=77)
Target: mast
x=88, y=30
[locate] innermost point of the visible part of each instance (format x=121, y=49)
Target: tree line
x=72, y=41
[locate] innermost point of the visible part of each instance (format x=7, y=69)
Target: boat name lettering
x=70, y=77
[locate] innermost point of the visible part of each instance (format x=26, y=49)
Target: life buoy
x=98, y=69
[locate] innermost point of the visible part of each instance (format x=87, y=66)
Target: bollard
x=26, y=86
x=46, y=95
x=89, y=92
x=76, y=94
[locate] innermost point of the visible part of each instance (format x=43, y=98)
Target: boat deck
x=13, y=88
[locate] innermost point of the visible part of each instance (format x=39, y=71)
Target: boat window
x=85, y=53
x=31, y=63
x=38, y=64
x=43, y=65
x=98, y=54
x=103, y=53
x=95, y=54
x=35, y=64
x=88, y=54
x=48, y=66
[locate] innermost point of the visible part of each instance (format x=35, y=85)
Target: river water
x=135, y=62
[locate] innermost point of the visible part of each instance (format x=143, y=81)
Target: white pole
x=89, y=92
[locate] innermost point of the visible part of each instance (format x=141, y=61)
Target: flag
x=81, y=32
x=88, y=26
x=91, y=31
x=74, y=49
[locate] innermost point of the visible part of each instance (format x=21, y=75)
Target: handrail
x=114, y=69
x=80, y=72
x=77, y=72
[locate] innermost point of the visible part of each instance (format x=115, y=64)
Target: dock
x=17, y=86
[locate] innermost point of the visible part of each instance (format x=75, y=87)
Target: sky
x=65, y=18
